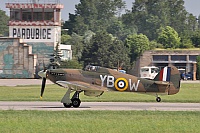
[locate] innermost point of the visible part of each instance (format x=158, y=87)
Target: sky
x=191, y=6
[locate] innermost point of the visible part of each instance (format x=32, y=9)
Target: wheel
x=76, y=102
x=67, y=105
x=158, y=99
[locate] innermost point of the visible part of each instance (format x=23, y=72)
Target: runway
x=56, y=106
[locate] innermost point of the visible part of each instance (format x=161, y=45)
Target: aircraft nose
x=42, y=74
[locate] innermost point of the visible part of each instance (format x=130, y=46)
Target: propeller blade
x=43, y=74
x=43, y=87
x=44, y=68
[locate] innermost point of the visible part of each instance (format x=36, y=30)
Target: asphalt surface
x=56, y=106
x=15, y=82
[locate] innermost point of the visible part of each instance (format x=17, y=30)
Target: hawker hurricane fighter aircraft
x=95, y=80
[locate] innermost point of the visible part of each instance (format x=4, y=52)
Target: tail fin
x=165, y=74
x=170, y=74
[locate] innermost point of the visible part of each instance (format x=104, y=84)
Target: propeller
x=43, y=75
x=43, y=87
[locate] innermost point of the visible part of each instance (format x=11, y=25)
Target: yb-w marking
x=120, y=84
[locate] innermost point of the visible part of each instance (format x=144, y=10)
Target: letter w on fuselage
x=120, y=84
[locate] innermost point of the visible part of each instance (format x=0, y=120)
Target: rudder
x=169, y=74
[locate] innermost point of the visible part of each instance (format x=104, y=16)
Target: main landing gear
x=74, y=101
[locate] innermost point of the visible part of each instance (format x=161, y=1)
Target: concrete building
x=16, y=59
x=182, y=59
x=34, y=31
x=66, y=51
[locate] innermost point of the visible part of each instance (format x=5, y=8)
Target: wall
x=16, y=59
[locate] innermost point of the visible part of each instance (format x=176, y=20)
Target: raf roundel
x=121, y=84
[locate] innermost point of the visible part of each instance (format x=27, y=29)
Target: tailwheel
x=158, y=99
x=67, y=105
x=76, y=102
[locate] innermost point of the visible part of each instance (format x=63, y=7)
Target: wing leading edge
x=77, y=86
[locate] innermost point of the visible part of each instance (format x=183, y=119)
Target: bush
x=71, y=64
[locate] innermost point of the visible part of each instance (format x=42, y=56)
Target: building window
x=37, y=16
x=15, y=14
x=160, y=57
x=192, y=57
x=178, y=58
x=48, y=16
x=26, y=15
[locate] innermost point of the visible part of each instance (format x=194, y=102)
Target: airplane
x=95, y=80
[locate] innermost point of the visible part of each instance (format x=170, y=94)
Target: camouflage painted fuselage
x=116, y=81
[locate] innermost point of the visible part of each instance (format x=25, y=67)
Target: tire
x=76, y=102
x=67, y=105
x=158, y=99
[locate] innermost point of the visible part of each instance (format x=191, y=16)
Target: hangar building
x=182, y=59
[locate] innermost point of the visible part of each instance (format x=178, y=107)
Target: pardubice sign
x=32, y=33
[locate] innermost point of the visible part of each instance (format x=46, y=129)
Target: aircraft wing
x=77, y=85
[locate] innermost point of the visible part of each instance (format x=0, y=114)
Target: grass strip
x=99, y=121
x=188, y=93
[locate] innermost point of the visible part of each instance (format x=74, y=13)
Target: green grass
x=188, y=93
x=99, y=122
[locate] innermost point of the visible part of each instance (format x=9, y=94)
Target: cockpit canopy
x=98, y=69
x=91, y=68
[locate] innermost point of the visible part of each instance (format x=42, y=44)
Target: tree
x=4, y=22
x=191, y=23
x=56, y=57
x=149, y=15
x=119, y=54
x=177, y=15
x=93, y=15
x=115, y=28
x=71, y=64
x=88, y=36
x=195, y=37
x=137, y=45
x=120, y=30
x=105, y=50
x=169, y=37
x=77, y=45
x=99, y=51
x=64, y=38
